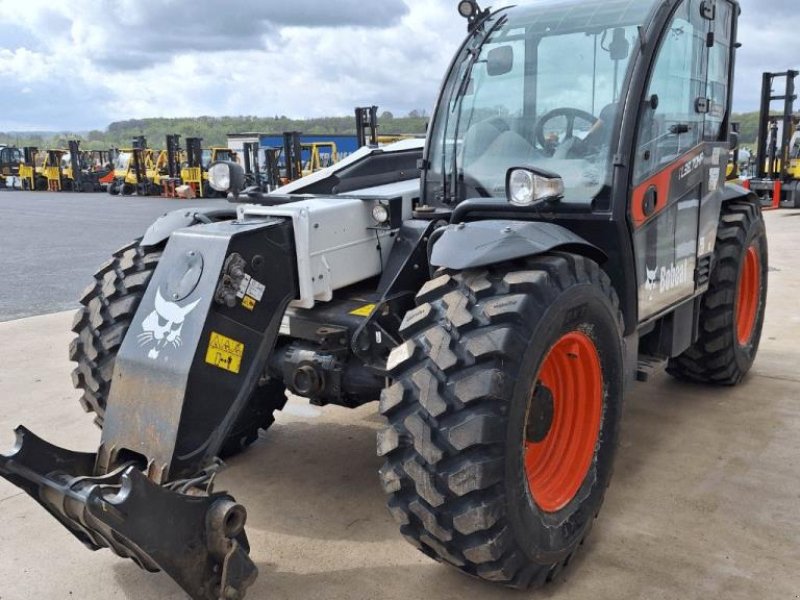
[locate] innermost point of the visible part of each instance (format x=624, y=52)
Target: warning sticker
x=363, y=311
x=225, y=353
x=248, y=302
x=243, y=286
x=255, y=290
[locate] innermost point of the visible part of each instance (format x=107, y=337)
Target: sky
x=79, y=65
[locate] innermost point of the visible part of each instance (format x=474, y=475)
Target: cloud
x=83, y=64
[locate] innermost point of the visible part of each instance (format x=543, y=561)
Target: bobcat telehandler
x=566, y=229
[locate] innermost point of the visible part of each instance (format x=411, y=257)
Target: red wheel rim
x=748, y=296
x=557, y=465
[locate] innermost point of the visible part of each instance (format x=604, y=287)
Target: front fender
x=170, y=222
x=482, y=243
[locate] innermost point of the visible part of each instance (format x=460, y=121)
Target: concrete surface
x=705, y=502
x=50, y=244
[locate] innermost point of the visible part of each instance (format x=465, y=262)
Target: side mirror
x=620, y=46
x=733, y=139
x=500, y=61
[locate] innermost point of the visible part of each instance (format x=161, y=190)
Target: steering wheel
x=571, y=114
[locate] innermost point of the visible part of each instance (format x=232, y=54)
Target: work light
x=527, y=186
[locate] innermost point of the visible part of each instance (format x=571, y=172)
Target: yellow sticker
x=249, y=302
x=225, y=353
x=364, y=311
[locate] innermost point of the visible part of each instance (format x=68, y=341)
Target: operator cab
x=545, y=86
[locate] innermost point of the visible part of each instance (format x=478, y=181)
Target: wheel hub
x=563, y=423
x=540, y=417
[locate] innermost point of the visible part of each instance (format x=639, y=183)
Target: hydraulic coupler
x=198, y=346
x=195, y=536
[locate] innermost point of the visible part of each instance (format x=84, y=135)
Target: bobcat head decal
x=650, y=284
x=162, y=327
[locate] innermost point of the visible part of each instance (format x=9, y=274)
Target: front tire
x=108, y=308
x=732, y=312
x=504, y=416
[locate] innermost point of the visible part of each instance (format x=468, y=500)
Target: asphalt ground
x=52, y=243
x=704, y=504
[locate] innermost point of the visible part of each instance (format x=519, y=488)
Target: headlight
x=219, y=177
x=381, y=214
x=526, y=186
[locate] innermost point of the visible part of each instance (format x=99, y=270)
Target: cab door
x=681, y=154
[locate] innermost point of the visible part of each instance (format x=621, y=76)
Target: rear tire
x=732, y=312
x=108, y=308
x=469, y=416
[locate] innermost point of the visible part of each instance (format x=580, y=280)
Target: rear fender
x=483, y=243
x=170, y=222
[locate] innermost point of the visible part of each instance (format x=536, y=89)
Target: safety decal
x=363, y=311
x=225, y=353
x=249, y=302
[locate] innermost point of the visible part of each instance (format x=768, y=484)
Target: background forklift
x=134, y=169
x=500, y=287
x=777, y=158
x=198, y=159
x=80, y=172
x=10, y=160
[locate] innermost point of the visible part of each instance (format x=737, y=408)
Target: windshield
x=542, y=91
x=122, y=161
x=206, y=159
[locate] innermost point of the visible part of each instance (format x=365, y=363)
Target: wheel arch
x=489, y=242
x=733, y=192
x=170, y=222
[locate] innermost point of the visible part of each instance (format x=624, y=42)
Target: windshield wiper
x=475, y=52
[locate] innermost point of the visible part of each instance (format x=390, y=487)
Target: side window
x=671, y=125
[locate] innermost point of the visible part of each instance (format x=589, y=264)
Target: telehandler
x=566, y=228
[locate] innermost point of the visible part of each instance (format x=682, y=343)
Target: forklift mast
x=173, y=156
x=293, y=155
x=139, y=145
x=75, y=162
x=29, y=153
x=252, y=169
x=367, y=126
x=194, y=152
x=273, y=168
x=772, y=157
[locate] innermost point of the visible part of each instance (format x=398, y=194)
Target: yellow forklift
x=195, y=169
x=777, y=156
x=133, y=170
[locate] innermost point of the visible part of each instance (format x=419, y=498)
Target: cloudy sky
x=81, y=64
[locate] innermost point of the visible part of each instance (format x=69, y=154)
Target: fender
x=734, y=191
x=170, y=222
x=482, y=243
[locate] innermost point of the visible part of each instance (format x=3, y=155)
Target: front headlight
x=527, y=186
x=219, y=177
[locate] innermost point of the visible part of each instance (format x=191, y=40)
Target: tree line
x=215, y=130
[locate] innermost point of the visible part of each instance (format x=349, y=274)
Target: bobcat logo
x=650, y=284
x=163, y=326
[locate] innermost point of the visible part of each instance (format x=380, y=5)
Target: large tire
x=732, y=312
x=466, y=446
x=108, y=308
